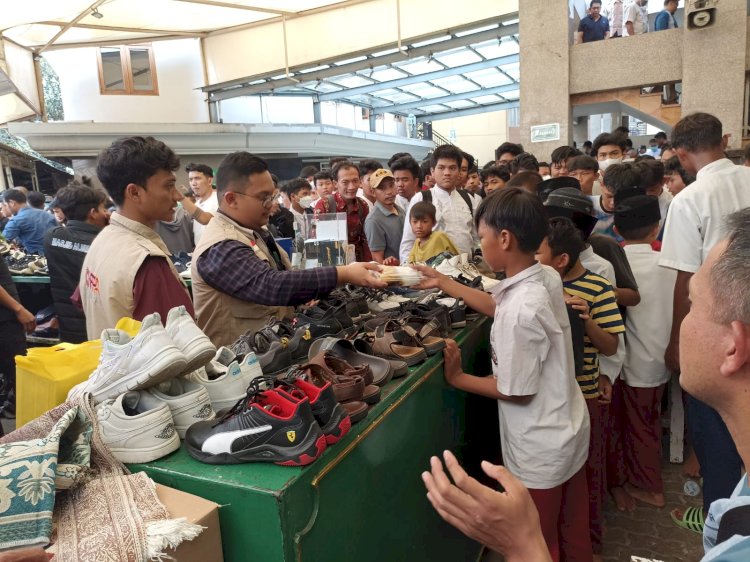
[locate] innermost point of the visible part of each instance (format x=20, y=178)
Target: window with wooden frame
x=127, y=70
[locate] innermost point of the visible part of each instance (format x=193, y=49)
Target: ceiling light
x=97, y=14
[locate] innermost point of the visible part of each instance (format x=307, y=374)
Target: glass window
x=127, y=70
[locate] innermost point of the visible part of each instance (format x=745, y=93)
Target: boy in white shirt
x=544, y=423
x=644, y=373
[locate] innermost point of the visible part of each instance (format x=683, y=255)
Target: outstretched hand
x=506, y=521
x=431, y=277
x=362, y=274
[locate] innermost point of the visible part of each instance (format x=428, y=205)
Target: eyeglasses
x=266, y=201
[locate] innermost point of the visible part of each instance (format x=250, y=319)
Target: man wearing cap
x=385, y=224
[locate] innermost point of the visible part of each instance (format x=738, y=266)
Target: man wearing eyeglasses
x=241, y=277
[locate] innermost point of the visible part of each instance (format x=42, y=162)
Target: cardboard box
x=207, y=545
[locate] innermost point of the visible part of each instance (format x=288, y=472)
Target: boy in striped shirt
x=595, y=298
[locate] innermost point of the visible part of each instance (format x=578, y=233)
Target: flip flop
x=398, y=367
x=692, y=519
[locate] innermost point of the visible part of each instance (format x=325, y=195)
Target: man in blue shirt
x=665, y=18
x=27, y=225
x=594, y=27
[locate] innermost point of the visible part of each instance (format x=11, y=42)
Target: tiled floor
x=648, y=532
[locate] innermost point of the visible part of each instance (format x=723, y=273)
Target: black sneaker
x=341, y=313
x=295, y=337
x=323, y=321
x=262, y=427
x=331, y=416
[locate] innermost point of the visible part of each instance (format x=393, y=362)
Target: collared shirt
x=233, y=268
x=545, y=441
x=736, y=548
x=384, y=228
x=356, y=214
x=361, y=195
x=29, y=226
x=695, y=222
x=649, y=323
x=593, y=30
x=402, y=202
x=210, y=205
x=600, y=296
x=614, y=11
x=638, y=15
x=453, y=217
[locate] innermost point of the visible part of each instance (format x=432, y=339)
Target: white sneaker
x=132, y=363
x=227, y=388
x=224, y=356
x=188, y=401
x=189, y=338
x=137, y=427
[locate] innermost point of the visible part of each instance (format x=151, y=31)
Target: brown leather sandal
x=427, y=332
x=394, y=341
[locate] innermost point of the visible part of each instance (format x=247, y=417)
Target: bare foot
x=650, y=498
x=690, y=466
x=623, y=500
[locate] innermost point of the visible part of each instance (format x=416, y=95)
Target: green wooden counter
x=363, y=499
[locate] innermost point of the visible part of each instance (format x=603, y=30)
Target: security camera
x=700, y=13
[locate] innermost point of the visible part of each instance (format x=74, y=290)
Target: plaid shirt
x=233, y=268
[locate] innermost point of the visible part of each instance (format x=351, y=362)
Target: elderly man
x=715, y=359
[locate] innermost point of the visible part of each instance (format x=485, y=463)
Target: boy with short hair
x=323, y=184
x=544, y=426
x=617, y=178
x=595, y=298
x=644, y=373
x=428, y=244
x=495, y=177
x=586, y=170
x=384, y=225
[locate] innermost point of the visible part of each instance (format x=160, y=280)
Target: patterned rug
x=60, y=484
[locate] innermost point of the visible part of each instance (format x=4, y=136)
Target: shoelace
x=256, y=386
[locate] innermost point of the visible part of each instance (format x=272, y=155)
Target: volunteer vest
x=65, y=248
x=221, y=316
x=109, y=271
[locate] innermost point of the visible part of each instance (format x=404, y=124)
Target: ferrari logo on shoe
x=291, y=435
x=307, y=335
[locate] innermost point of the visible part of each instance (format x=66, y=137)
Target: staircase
x=630, y=101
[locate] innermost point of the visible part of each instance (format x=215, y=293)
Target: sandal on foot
x=692, y=519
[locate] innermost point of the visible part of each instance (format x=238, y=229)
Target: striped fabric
x=603, y=310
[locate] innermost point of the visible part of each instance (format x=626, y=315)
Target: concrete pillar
x=713, y=73
x=545, y=72
x=316, y=112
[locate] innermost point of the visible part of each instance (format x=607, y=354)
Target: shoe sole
x=201, y=353
x=303, y=454
x=168, y=366
x=137, y=456
x=434, y=348
x=338, y=426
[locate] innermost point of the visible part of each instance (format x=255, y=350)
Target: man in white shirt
x=454, y=214
x=406, y=172
x=201, y=178
x=636, y=18
x=694, y=226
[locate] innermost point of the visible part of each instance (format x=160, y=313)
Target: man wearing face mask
x=608, y=149
x=298, y=192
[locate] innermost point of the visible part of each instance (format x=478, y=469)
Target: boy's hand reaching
x=431, y=279
x=577, y=303
x=452, y=362
x=605, y=390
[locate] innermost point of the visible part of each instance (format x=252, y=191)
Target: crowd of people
x=601, y=252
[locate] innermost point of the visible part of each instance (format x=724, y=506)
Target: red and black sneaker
x=265, y=426
x=331, y=416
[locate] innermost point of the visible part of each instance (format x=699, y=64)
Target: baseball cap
x=378, y=176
